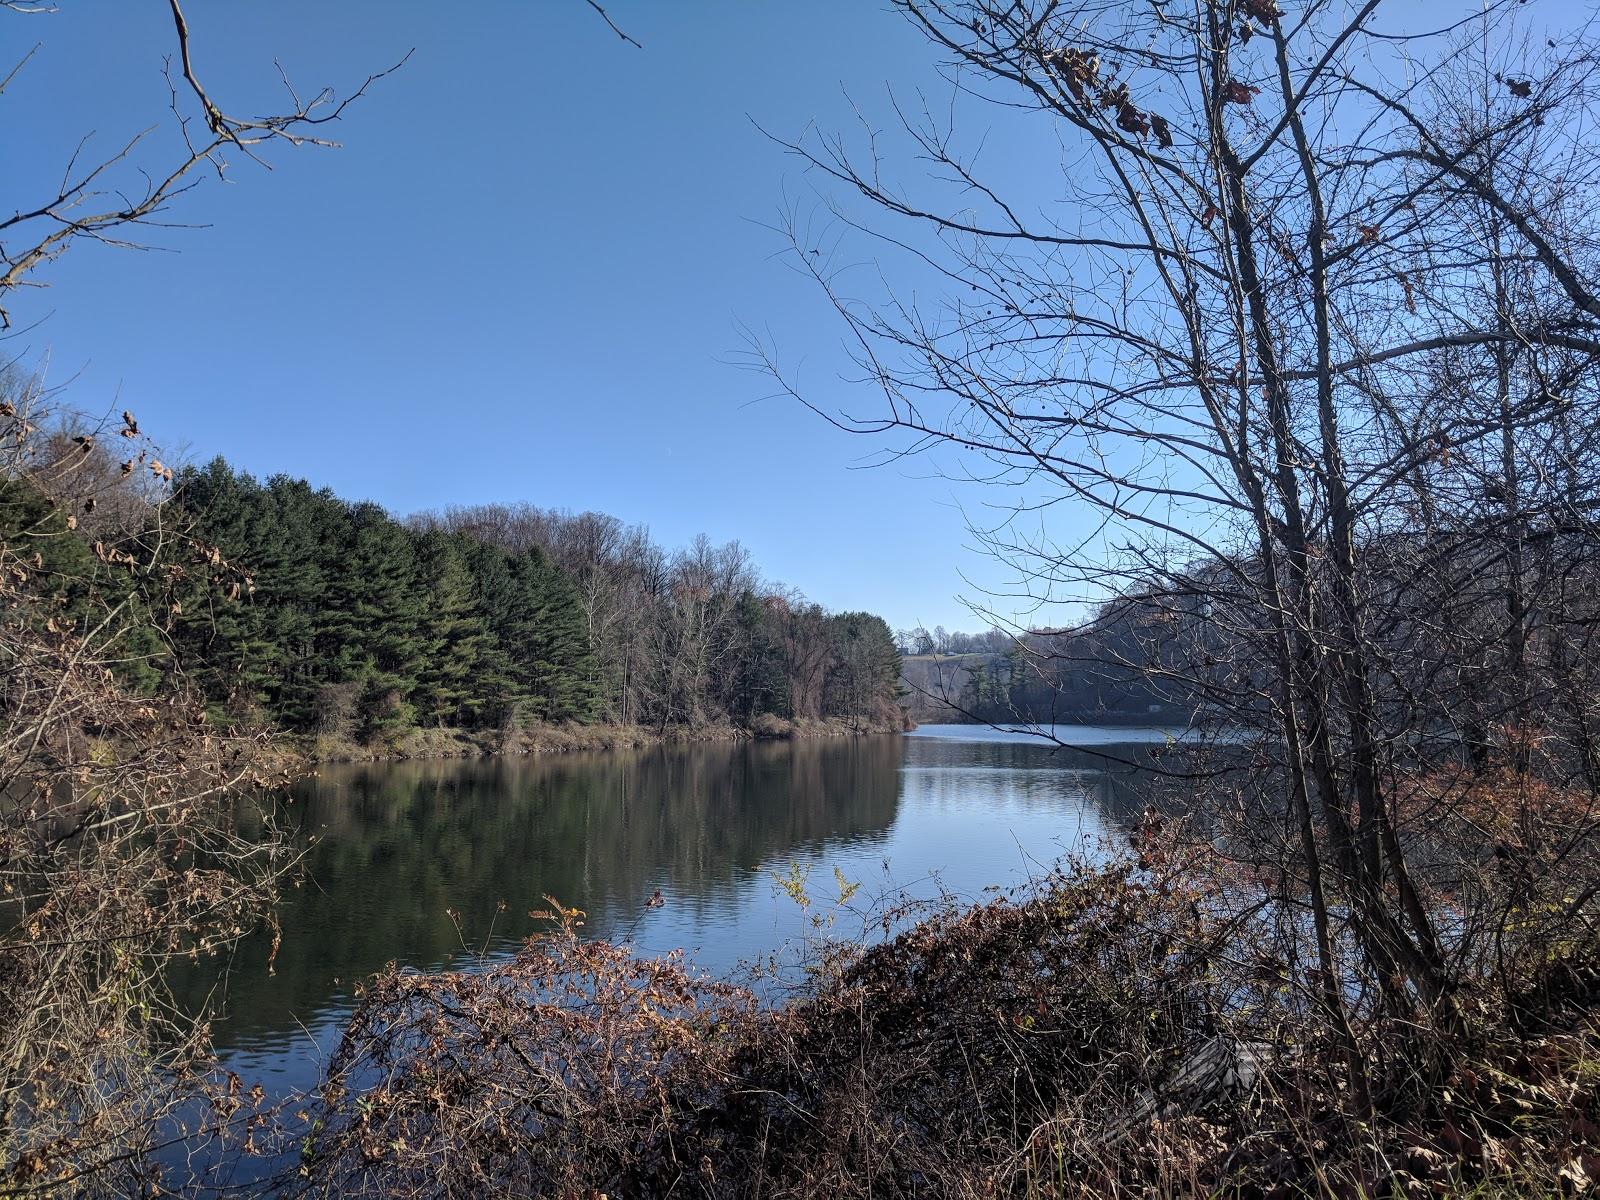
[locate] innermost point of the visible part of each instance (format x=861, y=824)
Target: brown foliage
x=121, y=846
x=1108, y=1033
x=579, y=1068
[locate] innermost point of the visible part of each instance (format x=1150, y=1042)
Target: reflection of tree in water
x=396, y=845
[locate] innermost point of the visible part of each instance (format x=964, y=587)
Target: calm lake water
x=396, y=848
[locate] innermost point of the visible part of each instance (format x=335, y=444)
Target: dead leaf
x=1240, y=93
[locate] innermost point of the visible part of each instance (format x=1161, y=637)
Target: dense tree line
x=354, y=625
x=334, y=618
x=1463, y=670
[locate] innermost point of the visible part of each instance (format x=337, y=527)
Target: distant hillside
x=1120, y=667
x=936, y=683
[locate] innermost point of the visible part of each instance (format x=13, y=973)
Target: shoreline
x=455, y=742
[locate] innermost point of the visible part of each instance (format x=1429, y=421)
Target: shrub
x=579, y=1068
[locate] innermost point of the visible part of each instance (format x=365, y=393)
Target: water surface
x=433, y=864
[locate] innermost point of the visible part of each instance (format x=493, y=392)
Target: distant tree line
x=1104, y=669
x=921, y=641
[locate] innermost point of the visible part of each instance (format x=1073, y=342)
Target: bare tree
x=1296, y=270
x=115, y=198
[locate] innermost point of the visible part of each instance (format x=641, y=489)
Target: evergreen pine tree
x=549, y=646
x=497, y=689
x=451, y=635
x=369, y=628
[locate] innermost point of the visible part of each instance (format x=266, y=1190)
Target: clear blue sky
x=521, y=278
